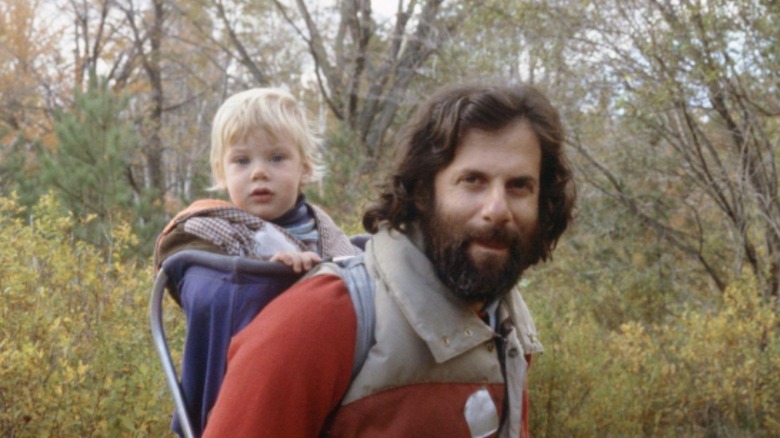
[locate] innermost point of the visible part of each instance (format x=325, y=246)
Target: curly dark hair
x=429, y=140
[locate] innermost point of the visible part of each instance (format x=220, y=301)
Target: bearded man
x=480, y=191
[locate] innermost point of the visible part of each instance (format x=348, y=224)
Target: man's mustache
x=492, y=235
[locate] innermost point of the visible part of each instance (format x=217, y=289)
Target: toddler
x=263, y=152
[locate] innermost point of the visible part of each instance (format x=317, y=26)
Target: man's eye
x=471, y=180
x=521, y=186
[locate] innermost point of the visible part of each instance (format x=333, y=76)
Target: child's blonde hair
x=277, y=113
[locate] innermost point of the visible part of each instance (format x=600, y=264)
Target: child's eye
x=241, y=160
x=276, y=158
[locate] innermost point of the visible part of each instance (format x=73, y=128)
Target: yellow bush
x=708, y=372
x=702, y=373
x=75, y=351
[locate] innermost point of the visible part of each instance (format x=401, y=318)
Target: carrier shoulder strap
x=361, y=290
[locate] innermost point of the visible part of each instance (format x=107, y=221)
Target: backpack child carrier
x=220, y=295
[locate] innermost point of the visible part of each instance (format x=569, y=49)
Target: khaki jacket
x=436, y=369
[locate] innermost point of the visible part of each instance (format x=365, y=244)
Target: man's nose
x=496, y=207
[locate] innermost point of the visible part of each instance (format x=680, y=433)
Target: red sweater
x=288, y=369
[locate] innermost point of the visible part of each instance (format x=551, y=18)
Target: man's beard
x=447, y=245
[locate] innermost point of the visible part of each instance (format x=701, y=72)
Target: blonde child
x=263, y=152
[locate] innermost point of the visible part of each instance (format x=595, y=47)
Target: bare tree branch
x=257, y=73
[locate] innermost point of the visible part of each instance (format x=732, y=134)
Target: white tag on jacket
x=481, y=414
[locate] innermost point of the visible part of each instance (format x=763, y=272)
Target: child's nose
x=259, y=172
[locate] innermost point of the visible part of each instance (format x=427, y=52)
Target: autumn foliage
x=77, y=360
x=700, y=372
x=75, y=351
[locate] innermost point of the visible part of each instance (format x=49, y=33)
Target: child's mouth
x=261, y=194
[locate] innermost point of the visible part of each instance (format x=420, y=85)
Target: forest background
x=659, y=313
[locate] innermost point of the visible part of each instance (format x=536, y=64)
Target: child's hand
x=299, y=261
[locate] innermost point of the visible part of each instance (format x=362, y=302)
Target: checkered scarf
x=232, y=229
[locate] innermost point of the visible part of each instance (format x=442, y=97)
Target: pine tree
x=89, y=168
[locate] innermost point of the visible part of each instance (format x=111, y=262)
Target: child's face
x=264, y=175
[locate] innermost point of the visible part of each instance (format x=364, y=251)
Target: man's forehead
x=513, y=140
